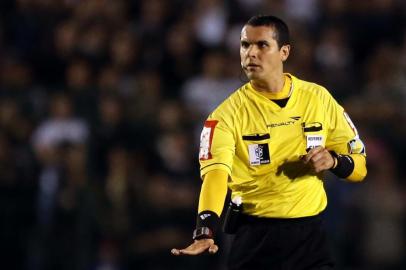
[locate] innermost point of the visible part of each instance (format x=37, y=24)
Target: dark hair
x=280, y=27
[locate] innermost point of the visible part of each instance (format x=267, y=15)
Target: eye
x=262, y=44
x=244, y=44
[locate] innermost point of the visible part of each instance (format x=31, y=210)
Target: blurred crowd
x=102, y=103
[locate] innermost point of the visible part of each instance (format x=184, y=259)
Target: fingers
x=189, y=251
x=213, y=249
x=198, y=247
x=175, y=252
x=313, y=153
x=319, y=158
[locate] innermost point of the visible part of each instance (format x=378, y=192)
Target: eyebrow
x=254, y=42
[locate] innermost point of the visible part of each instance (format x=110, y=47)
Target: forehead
x=255, y=33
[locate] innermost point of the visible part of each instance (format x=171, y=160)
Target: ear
x=284, y=52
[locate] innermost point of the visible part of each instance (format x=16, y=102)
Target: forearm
x=213, y=192
x=211, y=201
x=360, y=169
x=351, y=167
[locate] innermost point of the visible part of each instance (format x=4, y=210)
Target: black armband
x=206, y=225
x=345, y=165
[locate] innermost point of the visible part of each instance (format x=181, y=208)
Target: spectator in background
x=179, y=61
x=81, y=90
x=206, y=91
x=211, y=22
x=108, y=80
x=60, y=127
x=304, y=60
x=65, y=39
x=110, y=130
x=52, y=141
x=145, y=98
x=125, y=62
x=92, y=42
x=124, y=52
x=335, y=62
x=16, y=77
x=119, y=192
x=302, y=11
x=151, y=25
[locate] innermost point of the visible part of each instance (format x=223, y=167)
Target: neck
x=272, y=85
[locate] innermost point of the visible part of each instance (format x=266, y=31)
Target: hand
x=197, y=247
x=319, y=159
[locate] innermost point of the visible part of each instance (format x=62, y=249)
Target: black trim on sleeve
x=215, y=164
x=345, y=165
x=208, y=219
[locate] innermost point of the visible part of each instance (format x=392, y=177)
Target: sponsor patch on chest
x=259, y=154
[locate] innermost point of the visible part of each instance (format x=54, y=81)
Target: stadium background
x=101, y=105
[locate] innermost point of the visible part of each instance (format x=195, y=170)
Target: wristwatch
x=202, y=233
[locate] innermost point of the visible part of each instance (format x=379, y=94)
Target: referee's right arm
x=211, y=201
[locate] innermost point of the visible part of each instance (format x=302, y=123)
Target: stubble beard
x=253, y=75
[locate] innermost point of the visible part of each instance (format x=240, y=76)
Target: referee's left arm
x=344, y=143
x=351, y=167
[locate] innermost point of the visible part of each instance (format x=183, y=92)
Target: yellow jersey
x=260, y=145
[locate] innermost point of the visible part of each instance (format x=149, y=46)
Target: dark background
x=102, y=103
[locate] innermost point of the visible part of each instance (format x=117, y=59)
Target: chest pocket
x=256, y=137
x=314, y=135
x=258, y=148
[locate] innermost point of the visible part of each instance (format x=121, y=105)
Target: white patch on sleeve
x=356, y=146
x=206, y=139
x=205, y=143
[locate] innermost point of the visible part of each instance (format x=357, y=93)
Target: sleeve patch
x=347, y=117
x=206, y=139
x=356, y=146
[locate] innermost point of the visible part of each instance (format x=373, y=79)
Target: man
x=270, y=142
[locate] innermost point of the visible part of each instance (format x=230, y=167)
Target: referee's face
x=260, y=55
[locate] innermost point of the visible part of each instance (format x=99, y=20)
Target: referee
x=270, y=143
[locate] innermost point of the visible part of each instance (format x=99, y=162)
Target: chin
x=253, y=76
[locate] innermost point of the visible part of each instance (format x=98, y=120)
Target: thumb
x=213, y=249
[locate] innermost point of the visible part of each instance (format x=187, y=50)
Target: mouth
x=252, y=66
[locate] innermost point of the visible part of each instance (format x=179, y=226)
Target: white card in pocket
x=312, y=141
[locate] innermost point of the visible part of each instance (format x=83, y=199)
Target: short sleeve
x=343, y=137
x=217, y=146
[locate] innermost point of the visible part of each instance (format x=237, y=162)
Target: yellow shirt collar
x=285, y=93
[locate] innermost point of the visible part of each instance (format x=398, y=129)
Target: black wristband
x=208, y=219
x=345, y=165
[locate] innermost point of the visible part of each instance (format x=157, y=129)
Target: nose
x=252, y=51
